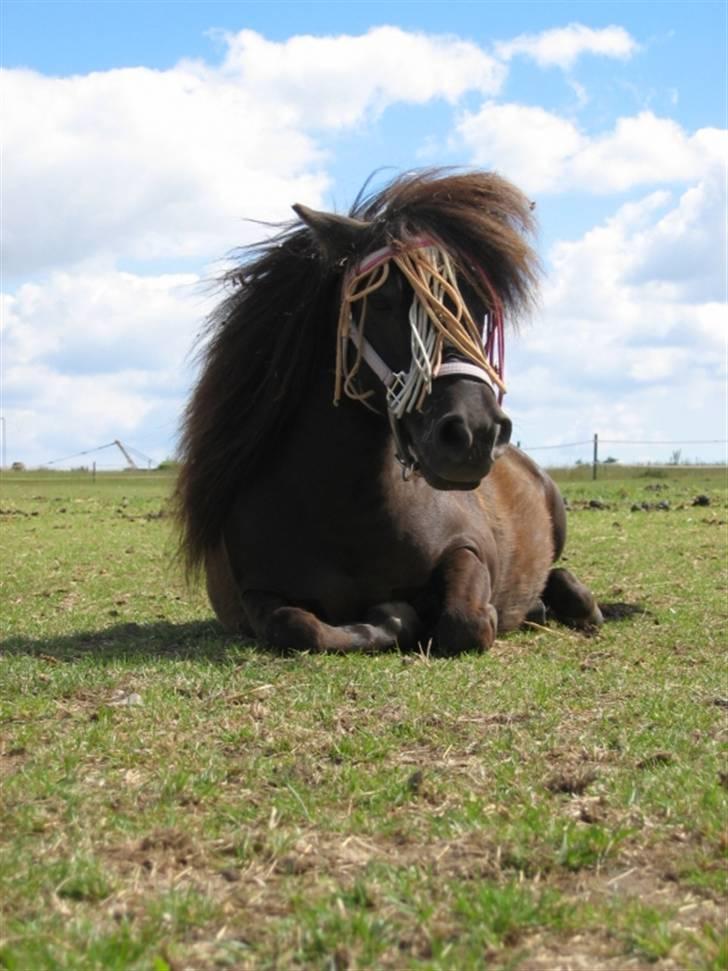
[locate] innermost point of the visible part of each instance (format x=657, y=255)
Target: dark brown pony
x=341, y=527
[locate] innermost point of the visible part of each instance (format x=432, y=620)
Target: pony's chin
x=446, y=484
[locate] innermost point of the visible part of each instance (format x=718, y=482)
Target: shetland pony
x=347, y=482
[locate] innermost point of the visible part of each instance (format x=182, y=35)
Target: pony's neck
x=344, y=445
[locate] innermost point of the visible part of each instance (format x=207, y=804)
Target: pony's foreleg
x=468, y=621
x=277, y=623
x=569, y=601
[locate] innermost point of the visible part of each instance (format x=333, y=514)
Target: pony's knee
x=290, y=628
x=459, y=631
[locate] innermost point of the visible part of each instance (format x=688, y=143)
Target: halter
x=429, y=270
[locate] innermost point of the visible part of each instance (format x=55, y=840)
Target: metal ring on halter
x=402, y=452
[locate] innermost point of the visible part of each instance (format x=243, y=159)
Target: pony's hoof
x=289, y=628
x=570, y=602
x=400, y=620
x=591, y=622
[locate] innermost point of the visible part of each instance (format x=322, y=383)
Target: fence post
x=595, y=461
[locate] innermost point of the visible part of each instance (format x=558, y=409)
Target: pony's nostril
x=453, y=434
x=505, y=427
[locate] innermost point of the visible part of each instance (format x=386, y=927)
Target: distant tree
x=675, y=457
x=610, y=459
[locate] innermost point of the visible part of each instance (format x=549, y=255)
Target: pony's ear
x=337, y=236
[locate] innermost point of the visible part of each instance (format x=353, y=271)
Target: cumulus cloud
x=562, y=46
x=335, y=82
x=684, y=254
x=146, y=164
x=90, y=357
x=53, y=413
x=543, y=152
x=626, y=353
x=142, y=164
x=99, y=322
x=529, y=143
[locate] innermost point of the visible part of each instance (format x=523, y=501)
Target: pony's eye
x=389, y=294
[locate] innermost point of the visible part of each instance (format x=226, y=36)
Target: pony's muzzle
x=466, y=449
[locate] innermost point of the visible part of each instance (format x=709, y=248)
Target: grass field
x=173, y=798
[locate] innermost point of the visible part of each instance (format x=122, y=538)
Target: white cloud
x=142, y=164
x=641, y=150
x=101, y=322
x=530, y=144
x=333, y=82
x=90, y=357
x=684, y=254
x=543, y=152
x=562, y=46
x=147, y=164
x=617, y=352
x=53, y=414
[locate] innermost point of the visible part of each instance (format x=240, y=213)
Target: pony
x=346, y=477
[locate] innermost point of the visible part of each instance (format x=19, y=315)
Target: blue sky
x=139, y=136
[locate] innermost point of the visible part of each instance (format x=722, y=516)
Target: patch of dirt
x=582, y=953
x=575, y=504
x=12, y=759
x=470, y=856
x=259, y=885
x=143, y=517
x=163, y=852
x=655, y=760
x=647, y=883
x=573, y=783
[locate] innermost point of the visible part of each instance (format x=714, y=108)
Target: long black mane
x=269, y=336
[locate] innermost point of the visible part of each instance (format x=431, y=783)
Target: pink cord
x=495, y=341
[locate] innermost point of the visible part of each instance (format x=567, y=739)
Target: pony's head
x=420, y=326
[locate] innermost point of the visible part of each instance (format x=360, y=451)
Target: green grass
x=560, y=797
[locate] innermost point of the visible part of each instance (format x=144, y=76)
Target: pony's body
x=323, y=543
x=339, y=544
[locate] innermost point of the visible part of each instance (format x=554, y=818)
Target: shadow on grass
x=204, y=639
x=198, y=640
